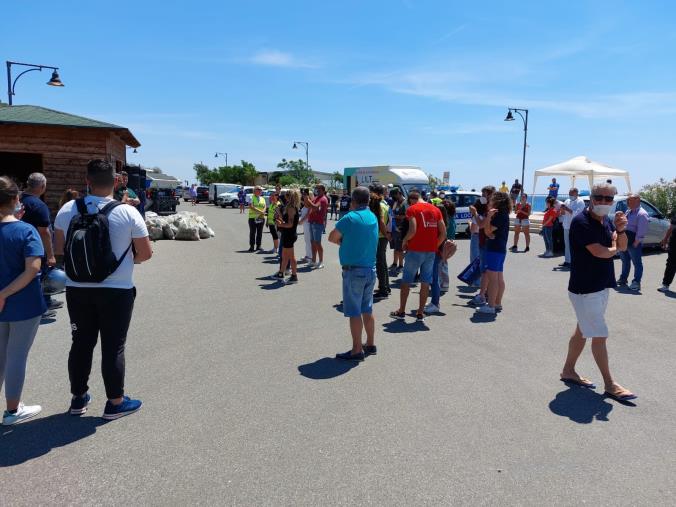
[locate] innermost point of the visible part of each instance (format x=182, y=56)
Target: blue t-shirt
x=19, y=240
x=553, y=190
x=36, y=211
x=360, y=238
x=499, y=241
x=589, y=273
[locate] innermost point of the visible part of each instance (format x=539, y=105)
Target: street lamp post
x=224, y=154
x=307, y=149
x=55, y=80
x=510, y=117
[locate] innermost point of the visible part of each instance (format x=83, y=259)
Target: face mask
x=483, y=200
x=18, y=207
x=602, y=209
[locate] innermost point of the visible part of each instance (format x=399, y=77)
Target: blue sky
x=423, y=83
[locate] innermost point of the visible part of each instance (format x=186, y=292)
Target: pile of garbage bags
x=184, y=226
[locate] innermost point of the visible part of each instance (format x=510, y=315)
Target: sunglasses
x=606, y=198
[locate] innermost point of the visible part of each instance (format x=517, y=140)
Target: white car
x=231, y=199
x=462, y=200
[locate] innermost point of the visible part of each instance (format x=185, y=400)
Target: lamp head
x=294, y=147
x=509, y=116
x=55, y=80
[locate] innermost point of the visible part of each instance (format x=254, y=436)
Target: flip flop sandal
x=579, y=383
x=397, y=314
x=621, y=397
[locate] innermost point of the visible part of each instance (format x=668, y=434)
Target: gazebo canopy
x=582, y=167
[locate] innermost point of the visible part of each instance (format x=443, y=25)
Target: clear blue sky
x=391, y=82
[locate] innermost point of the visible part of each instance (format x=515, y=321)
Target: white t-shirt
x=577, y=206
x=124, y=222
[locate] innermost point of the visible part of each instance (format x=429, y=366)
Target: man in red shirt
x=426, y=232
x=317, y=220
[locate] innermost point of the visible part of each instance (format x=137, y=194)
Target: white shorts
x=590, y=310
x=524, y=222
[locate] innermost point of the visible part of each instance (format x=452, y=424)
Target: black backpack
x=88, y=254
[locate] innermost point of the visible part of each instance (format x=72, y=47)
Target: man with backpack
x=99, y=240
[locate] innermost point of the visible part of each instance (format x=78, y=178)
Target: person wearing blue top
x=553, y=189
x=357, y=235
x=21, y=301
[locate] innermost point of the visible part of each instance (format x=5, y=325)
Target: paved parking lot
x=244, y=405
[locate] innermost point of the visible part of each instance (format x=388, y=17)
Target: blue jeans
x=632, y=255
x=414, y=261
x=358, y=286
x=549, y=242
x=436, y=287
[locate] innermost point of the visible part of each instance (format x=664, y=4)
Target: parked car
x=215, y=189
x=462, y=200
x=231, y=199
x=161, y=200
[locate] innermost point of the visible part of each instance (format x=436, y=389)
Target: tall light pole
x=510, y=117
x=54, y=81
x=307, y=149
x=222, y=153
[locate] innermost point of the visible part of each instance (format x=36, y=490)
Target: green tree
x=299, y=170
x=433, y=180
x=662, y=194
x=204, y=174
x=286, y=180
x=337, y=179
x=244, y=174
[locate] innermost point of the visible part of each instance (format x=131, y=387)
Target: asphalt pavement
x=245, y=405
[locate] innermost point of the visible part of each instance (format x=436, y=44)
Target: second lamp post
x=510, y=117
x=307, y=149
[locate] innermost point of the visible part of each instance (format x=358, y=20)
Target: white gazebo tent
x=582, y=167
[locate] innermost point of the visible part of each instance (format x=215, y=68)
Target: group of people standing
x=98, y=240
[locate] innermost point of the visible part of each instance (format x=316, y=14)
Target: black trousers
x=94, y=311
x=381, y=266
x=255, y=232
x=670, y=270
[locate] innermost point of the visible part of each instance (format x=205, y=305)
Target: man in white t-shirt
x=572, y=207
x=104, y=307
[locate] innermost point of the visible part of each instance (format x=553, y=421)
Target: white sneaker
x=486, y=309
x=664, y=288
x=319, y=265
x=431, y=308
x=23, y=413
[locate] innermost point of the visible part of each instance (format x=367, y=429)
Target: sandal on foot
x=581, y=382
x=621, y=397
x=397, y=314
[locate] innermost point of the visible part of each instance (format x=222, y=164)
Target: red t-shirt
x=522, y=211
x=550, y=214
x=427, y=217
x=318, y=215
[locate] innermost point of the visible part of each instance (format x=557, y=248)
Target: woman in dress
x=287, y=224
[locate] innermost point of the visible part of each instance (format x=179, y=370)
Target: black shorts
x=288, y=240
x=273, y=232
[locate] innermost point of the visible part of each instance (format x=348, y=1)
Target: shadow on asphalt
x=581, y=405
x=670, y=294
x=401, y=326
x=482, y=318
x=272, y=286
x=466, y=289
x=242, y=251
x=326, y=368
x=628, y=291
x=47, y=320
x=34, y=438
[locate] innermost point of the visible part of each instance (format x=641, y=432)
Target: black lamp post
x=224, y=154
x=55, y=80
x=307, y=149
x=510, y=117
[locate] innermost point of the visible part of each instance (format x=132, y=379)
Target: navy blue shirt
x=589, y=273
x=19, y=240
x=37, y=212
x=499, y=241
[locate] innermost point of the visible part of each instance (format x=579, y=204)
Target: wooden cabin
x=59, y=145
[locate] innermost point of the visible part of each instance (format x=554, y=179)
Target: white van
x=215, y=189
x=406, y=178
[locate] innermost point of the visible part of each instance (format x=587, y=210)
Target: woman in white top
x=306, y=233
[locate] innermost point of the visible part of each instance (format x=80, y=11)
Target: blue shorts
x=495, y=261
x=358, y=284
x=316, y=231
x=414, y=261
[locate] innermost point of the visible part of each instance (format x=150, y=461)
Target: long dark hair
x=502, y=202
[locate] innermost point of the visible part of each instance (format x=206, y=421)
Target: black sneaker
x=277, y=276
x=527, y=249
x=79, y=404
x=513, y=249
x=348, y=356
x=380, y=295
x=420, y=317
x=291, y=279
x=369, y=350
x=251, y=249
